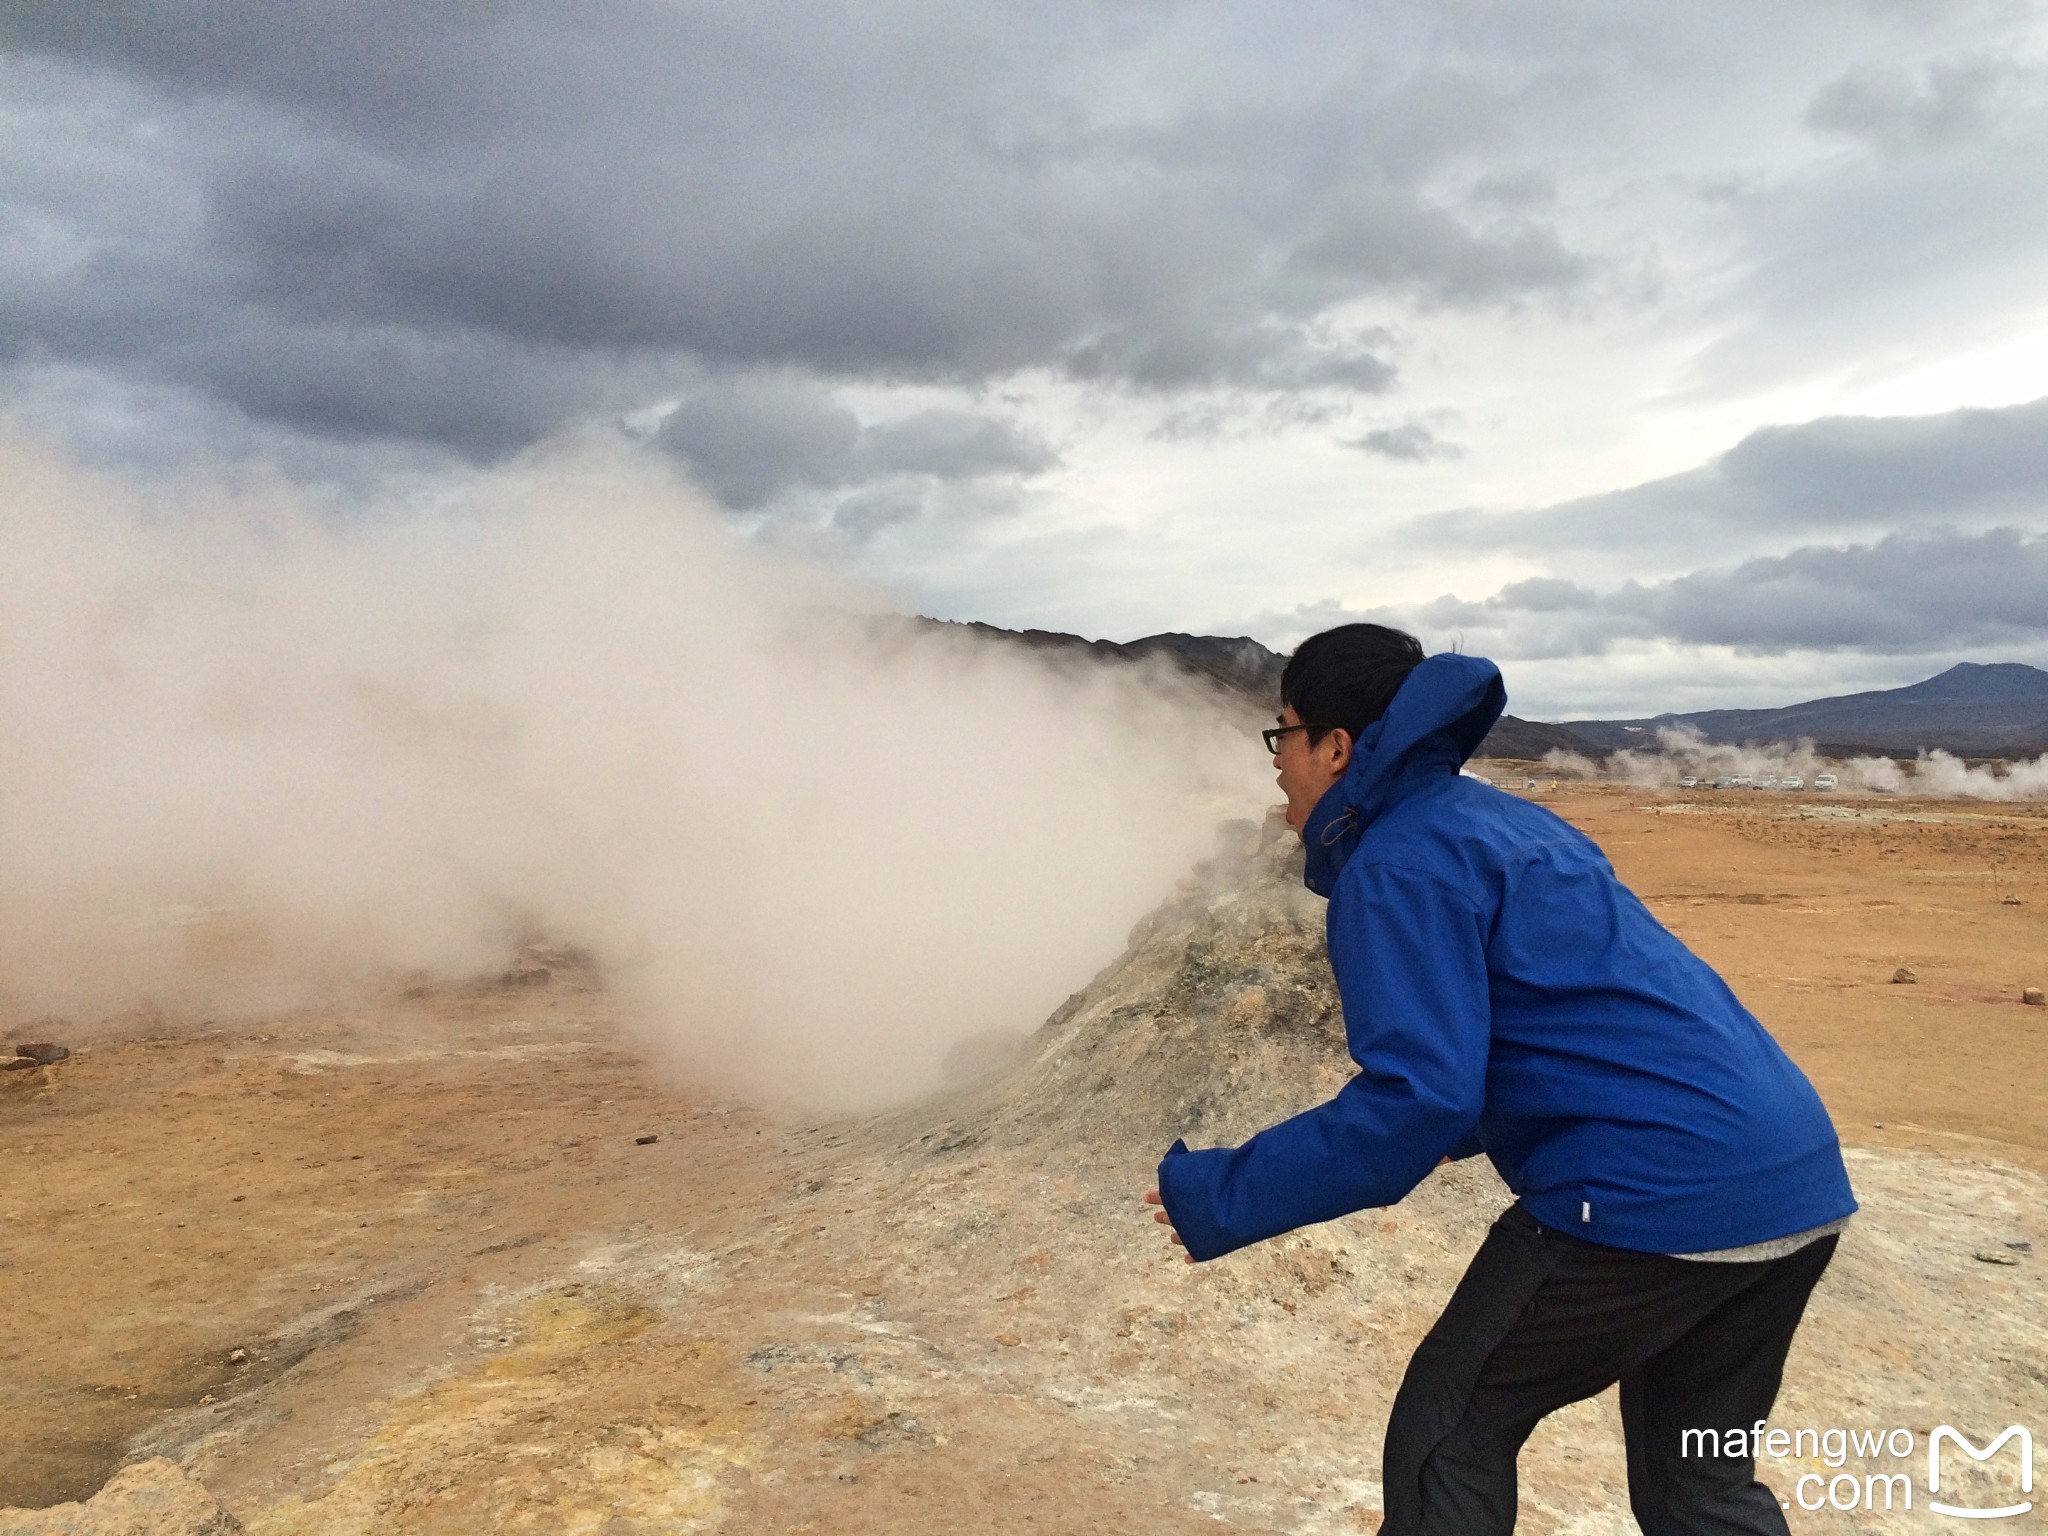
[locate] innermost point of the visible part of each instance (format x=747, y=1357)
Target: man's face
x=1307, y=772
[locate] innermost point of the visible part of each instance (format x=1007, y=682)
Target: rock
x=19, y=1064
x=1905, y=975
x=1993, y=1256
x=42, y=1053
x=527, y=974
x=2033, y=998
x=645, y=1141
x=151, y=1498
x=2010, y=901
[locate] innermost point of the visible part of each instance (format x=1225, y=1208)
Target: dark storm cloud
x=1844, y=472
x=1908, y=593
x=388, y=209
x=750, y=440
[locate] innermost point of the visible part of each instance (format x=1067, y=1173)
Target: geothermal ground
x=416, y=1267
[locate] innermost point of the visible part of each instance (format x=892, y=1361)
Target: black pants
x=1542, y=1319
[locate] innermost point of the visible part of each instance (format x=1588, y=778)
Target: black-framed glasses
x=1273, y=734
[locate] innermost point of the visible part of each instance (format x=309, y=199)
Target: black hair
x=1347, y=676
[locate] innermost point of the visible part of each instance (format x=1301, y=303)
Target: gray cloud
x=1907, y=592
x=1186, y=355
x=1900, y=111
x=866, y=513
x=1411, y=442
x=749, y=442
x=952, y=445
x=404, y=237
x=1389, y=242
x=1845, y=472
x=1926, y=592
x=387, y=213
x=754, y=439
x=1515, y=189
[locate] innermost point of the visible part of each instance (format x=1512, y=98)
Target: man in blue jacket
x=1678, y=1184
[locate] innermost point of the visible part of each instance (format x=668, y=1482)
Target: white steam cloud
x=1684, y=752
x=252, y=757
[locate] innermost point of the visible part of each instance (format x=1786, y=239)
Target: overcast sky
x=1676, y=355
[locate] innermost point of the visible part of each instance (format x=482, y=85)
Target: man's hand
x=1160, y=1216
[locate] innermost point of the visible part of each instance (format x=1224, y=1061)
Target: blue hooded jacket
x=1504, y=992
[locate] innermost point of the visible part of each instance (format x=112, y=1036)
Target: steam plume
x=254, y=757
x=1684, y=751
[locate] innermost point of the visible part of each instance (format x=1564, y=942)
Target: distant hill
x=1246, y=669
x=1999, y=709
x=1241, y=667
x=1511, y=737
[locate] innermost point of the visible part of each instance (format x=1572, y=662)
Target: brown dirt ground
x=405, y=1268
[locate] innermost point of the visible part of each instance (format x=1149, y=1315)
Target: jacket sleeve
x=1409, y=953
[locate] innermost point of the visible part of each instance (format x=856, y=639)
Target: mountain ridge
x=1974, y=709
x=1250, y=673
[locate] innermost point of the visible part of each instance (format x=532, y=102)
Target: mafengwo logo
x=1957, y=1466
x=1946, y=1436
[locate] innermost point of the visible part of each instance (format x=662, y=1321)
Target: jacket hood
x=1436, y=720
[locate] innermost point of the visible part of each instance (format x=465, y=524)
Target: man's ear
x=1340, y=753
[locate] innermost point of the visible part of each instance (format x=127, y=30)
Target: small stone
x=2022, y=1246
x=2010, y=901
x=1904, y=976
x=1993, y=1256
x=1011, y=1341
x=237, y=1355
x=2033, y=998
x=645, y=1141
x=42, y=1053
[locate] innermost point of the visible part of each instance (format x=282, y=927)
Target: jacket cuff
x=1187, y=1191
